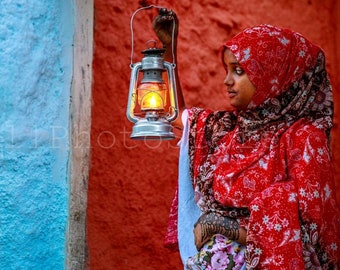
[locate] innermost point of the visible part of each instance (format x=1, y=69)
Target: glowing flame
x=152, y=96
x=152, y=101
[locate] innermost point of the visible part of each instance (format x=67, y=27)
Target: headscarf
x=273, y=58
x=289, y=74
x=291, y=83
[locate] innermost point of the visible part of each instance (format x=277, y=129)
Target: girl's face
x=239, y=88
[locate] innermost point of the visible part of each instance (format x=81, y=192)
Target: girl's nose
x=228, y=80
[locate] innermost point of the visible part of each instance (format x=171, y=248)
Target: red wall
x=131, y=182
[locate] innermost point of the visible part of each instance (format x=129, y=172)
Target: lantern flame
x=152, y=101
x=152, y=96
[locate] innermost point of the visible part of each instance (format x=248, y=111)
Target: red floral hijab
x=291, y=83
x=275, y=59
x=270, y=166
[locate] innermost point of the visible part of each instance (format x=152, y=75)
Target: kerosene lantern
x=149, y=95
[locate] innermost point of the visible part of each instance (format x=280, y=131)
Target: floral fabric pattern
x=219, y=253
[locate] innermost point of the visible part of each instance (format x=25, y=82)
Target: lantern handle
x=132, y=36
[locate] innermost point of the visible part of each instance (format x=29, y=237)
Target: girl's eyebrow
x=232, y=63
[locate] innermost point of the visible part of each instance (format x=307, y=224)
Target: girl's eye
x=239, y=70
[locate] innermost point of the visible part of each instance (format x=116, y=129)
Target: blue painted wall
x=35, y=78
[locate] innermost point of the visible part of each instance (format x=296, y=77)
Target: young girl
x=262, y=174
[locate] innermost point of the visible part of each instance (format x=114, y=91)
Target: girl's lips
x=231, y=93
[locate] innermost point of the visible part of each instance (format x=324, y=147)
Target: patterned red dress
x=270, y=166
x=292, y=221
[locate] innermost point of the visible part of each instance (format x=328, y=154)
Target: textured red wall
x=132, y=183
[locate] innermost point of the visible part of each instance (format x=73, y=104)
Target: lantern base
x=152, y=129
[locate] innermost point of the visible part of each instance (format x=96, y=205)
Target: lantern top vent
x=153, y=52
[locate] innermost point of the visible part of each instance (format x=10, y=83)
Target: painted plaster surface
x=132, y=183
x=35, y=78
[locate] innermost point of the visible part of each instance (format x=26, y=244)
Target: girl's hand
x=163, y=26
x=211, y=223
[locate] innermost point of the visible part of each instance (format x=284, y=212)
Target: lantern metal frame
x=155, y=125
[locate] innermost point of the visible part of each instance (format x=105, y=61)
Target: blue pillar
x=35, y=81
